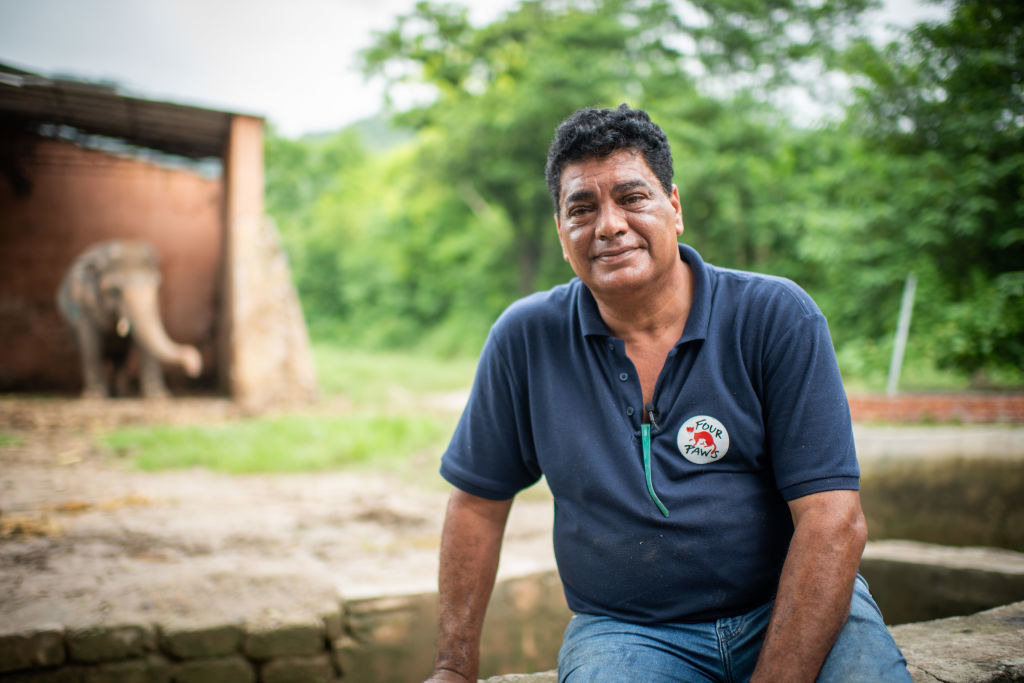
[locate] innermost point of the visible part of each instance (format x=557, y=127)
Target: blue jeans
x=604, y=650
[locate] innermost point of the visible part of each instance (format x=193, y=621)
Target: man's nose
x=611, y=223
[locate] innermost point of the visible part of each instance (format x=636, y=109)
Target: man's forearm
x=815, y=588
x=470, y=547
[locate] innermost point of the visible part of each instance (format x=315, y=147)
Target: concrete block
x=920, y=581
x=983, y=647
x=524, y=625
x=333, y=626
x=40, y=648
x=296, y=636
x=109, y=643
x=149, y=669
x=543, y=677
x=969, y=500
x=298, y=670
x=388, y=639
x=391, y=620
x=392, y=639
x=190, y=641
x=64, y=674
x=219, y=670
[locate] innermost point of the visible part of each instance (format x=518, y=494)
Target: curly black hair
x=599, y=132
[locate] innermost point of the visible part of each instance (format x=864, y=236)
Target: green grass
x=283, y=444
x=374, y=430
x=370, y=378
x=388, y=420
x=9, y=440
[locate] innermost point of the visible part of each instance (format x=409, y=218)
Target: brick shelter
x=82, y=163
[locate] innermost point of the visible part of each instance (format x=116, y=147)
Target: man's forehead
x=625, y=165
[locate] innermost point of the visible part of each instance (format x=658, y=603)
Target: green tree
x=943, y=113
x=501, y=89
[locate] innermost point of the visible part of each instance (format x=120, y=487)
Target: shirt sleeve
x=491, y=453
x=807, y=415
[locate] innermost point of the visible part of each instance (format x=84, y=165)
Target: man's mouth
x=617, y=254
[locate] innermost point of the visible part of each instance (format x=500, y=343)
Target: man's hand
x=470, y=546
x=814, y=593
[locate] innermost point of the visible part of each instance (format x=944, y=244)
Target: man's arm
x=470, y=546
x=814, y=593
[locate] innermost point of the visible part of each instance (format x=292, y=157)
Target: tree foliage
x=943, y=114
x=426, y=241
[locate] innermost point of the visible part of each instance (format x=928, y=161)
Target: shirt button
x=629, y=411
x=623, y=376
x=611, y=346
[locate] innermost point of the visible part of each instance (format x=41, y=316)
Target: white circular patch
x=703, y=439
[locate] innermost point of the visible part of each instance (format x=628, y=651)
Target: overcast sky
x=292, y=61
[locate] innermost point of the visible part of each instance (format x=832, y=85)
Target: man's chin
x=617, y=281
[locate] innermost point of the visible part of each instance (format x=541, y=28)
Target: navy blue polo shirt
x=750, y=414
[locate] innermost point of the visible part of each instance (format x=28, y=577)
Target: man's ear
x=558, y=229
x=677, y=206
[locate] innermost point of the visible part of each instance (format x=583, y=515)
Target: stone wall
x=390, y=639
x=271, y=652
x=387, y=639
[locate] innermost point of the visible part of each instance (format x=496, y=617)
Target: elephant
x=109, y=299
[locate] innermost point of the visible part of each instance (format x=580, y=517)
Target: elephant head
x=112, y=289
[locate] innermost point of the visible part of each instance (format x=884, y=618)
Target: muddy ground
x=85, y=538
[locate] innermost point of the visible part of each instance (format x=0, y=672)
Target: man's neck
x=660, y=309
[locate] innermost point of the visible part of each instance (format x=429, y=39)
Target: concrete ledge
x=980, y=648
x=544, y=677
x=987, y=647
x=914, y=581
x=390, y=639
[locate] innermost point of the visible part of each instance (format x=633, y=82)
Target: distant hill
x=376, y=133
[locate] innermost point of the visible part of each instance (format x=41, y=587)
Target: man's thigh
x=605, y=650
x=864, y=650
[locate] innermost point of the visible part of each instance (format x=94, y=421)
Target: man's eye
x=633, y=199
x=578, y=211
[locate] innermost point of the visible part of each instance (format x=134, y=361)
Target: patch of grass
x=9, y=440
x=283, y=444
x=375, y=431
x=368, y=378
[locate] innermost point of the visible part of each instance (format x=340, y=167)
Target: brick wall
x=82, y=196
x=962, y=408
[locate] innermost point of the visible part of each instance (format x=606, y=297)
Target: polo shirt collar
x=700, y=308
x=591, y=323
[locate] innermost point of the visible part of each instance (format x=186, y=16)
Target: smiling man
x=691, y=424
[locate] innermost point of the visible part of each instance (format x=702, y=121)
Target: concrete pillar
x=263, y=334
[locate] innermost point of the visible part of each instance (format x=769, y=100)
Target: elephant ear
x=88, y=285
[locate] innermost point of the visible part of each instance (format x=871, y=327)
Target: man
x=692, y=427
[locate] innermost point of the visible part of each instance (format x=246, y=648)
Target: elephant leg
x=89, y=347
x=122, y=378
x=151, y=375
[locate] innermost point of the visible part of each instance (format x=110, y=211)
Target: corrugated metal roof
x=99, y=109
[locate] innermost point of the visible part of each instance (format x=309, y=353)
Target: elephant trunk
x=141, y=311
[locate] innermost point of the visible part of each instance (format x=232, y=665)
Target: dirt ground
x=85, y=539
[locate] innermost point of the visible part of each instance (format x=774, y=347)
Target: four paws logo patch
x=703, y=439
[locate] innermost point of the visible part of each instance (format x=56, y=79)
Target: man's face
x=617, y=226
